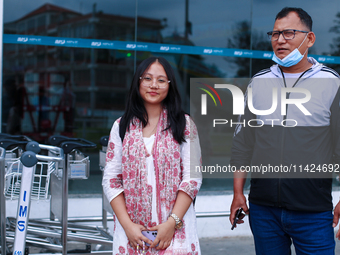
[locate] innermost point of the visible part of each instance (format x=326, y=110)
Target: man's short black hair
x=303, y=15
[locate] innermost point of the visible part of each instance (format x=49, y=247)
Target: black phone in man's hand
x=238, y=216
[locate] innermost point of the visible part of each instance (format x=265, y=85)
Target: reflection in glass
x=94, y=82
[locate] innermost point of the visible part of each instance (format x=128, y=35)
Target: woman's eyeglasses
x=148, y=80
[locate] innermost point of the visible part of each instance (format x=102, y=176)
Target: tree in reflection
x=335, y=45
x=241, y=40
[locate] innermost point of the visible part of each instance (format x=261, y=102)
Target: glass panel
x=83, y=90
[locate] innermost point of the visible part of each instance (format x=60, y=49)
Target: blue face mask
x=292, y=58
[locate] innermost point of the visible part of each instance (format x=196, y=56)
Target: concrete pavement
x=214, y=233
x=242, y=245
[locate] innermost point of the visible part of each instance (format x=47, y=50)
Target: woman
x=147, y=175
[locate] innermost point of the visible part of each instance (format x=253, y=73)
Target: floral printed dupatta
x=168, y=168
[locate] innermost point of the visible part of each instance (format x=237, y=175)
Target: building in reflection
x=79, y=91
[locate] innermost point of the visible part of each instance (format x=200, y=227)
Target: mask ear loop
x=302, y=43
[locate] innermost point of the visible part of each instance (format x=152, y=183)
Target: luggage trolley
x=6, y=159
x=30, y=163
x=14, y=146
x=76, y=166
x=13, y=176
x=24, y=180
x=55, y=232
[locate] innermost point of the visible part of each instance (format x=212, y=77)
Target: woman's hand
x=133, y=232
x=165, y=233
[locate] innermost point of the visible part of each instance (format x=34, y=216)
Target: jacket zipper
x=283, y=131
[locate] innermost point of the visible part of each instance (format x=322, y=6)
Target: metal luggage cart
x=13, y=168
x=76, y=166
x=41, y=179
x=13, y=149
x=24, y=184
x=50, y=235
x=29, y=160
x=13, y=172
x=13, y=144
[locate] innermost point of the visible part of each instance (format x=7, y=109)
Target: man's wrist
x=238, y=193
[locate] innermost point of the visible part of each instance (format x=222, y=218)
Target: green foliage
x=241, y=40
x=335, y=45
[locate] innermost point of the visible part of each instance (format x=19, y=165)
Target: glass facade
x=80, y=91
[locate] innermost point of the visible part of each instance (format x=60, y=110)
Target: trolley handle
x=36, y=147
x=104, y=140
x=30, y=158
x=56, y=140
x=7, y=143
x=70, y=145
x=15, y=137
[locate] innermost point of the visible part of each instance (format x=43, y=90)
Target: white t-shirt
x=291, y=78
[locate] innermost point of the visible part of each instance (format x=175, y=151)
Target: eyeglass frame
x=142, y=77
x=270, y=33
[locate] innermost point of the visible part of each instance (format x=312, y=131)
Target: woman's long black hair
x=172, y=102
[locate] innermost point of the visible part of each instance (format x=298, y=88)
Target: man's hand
x=165, y=233
x=239, y=200
x=134, y=234
x=336, y=219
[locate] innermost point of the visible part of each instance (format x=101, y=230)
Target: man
x=282, y=208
